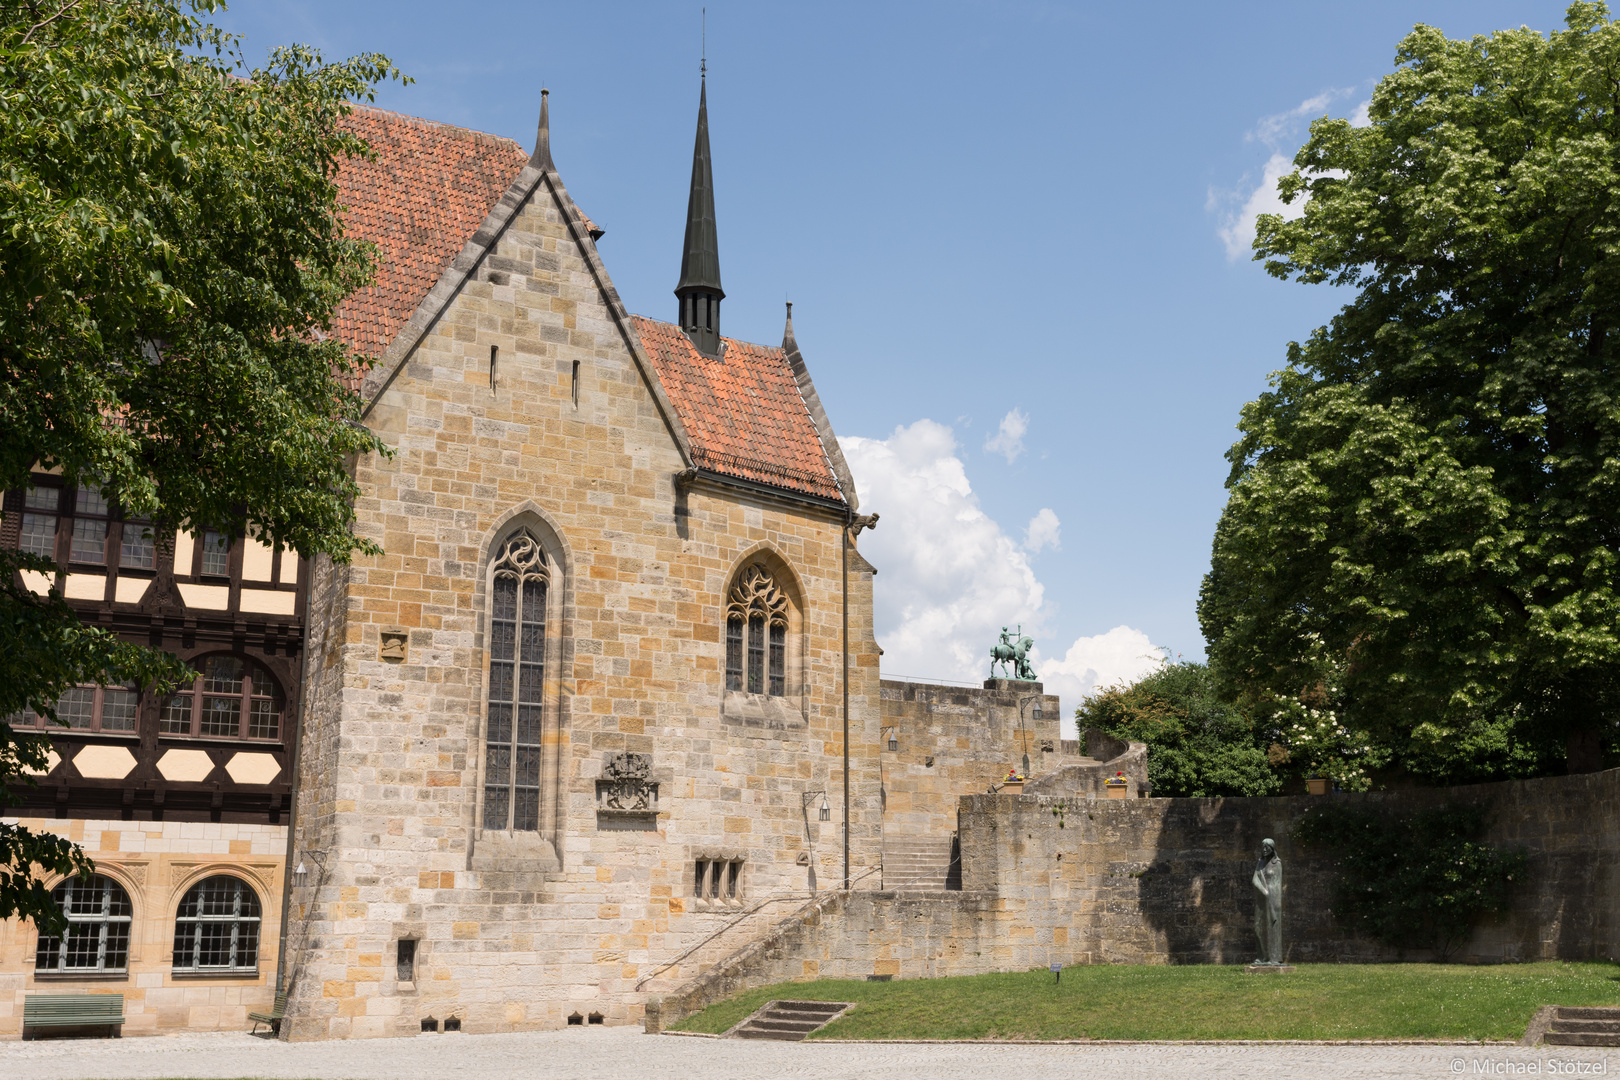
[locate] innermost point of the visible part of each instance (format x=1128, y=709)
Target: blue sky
x=1013, y=234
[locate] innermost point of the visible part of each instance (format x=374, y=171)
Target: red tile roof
x=427, y=192
x=743, y=412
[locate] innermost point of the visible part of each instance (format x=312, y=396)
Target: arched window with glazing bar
x=517, y=680
x=756, y=634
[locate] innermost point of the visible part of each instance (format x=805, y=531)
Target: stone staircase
x=788, y=1021
x=1574, y=1026
x=921, y=863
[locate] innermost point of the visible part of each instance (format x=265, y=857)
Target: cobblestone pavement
x=622, y=1052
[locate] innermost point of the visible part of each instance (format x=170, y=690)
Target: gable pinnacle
x=788, y=343
x=541, y=158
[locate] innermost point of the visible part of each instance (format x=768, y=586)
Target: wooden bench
x=73, y=1010
x=273, y=1017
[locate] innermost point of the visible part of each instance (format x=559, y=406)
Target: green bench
x=72, y=1011
x=273, y=1017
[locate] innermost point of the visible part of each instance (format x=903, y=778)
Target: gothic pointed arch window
x=517, y=684
x=756, y=634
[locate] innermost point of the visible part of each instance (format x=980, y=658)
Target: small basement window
x=576, y=1020
x=453, y=1023
x=595, y=1018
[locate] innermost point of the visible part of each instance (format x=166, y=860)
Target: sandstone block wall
x=521, y=930
x=156, y=862
x=954, y=741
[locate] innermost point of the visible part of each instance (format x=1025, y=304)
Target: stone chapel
x=608, y=706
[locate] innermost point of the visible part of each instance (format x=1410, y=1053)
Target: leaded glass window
x=756, y=635
x=232, y=698
x=217, y=927
x=517, y=683
x=98, y=913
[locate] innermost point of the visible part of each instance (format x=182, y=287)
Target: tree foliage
x=1426, y=499
x=171, y=254
x=1198, y=745
x=1419, y=880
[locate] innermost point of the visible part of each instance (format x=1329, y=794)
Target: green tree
x=171, y=254
x=1427, y=496
x=1198, y=744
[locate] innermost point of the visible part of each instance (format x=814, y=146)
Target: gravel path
x=617, y=1053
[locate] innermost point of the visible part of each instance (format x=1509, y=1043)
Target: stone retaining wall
x=1076, y=880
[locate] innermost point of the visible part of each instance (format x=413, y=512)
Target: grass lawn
x=1316, y=1001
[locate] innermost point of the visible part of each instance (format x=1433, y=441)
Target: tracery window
x=232, y=698
x=98, y=913
x=217, y=927
x=756, y=635
x=517, y=670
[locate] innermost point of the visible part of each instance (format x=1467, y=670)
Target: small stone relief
x=394, y=647
x=625, y=790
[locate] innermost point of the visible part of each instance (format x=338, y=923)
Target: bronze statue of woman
x=1268, y=904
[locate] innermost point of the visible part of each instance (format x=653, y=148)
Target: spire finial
x=542, y=139
x=703, y=63
x=788, y=342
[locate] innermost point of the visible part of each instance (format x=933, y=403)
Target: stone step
x=1582, y=1038
x=1563, y=1025
x=1588, y=1012
x=796, y=1010
x=788, y=1021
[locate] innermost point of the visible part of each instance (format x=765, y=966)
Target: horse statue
x=1013, y=655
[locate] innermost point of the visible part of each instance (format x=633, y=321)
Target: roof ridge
x=472, y=134
x=723, y=337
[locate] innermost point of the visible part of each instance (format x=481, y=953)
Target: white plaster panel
x=130, y=590
x=52, y=760
x=267, y=601
x=253, y=768
x=256, y=560
x=104, y=762
x=214, y=597
x=37, y=582
x=86, y=586
x=182, y=552
x=185, y=765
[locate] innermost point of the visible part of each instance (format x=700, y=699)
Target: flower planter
x=1115, y=791
x=1013, y=787
x=1317, y=785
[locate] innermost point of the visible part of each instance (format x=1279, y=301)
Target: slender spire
x=700, y=261
x=788, y=343
x=699, y=288
x=541, y=157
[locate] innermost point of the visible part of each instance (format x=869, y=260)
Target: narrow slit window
x=406, y=966
x=574, y=387
x=494, y=358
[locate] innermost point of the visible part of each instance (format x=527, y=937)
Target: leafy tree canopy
x=171, y=255
x=1423, y=519
x=1197, y=744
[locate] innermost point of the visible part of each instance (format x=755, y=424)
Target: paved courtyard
x=619, y=1053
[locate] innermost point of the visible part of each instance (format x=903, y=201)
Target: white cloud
x=1122, y=655
x=1362, y=114
x=949, y=577
x=1009, y=439
x=1042, y=532
x=1237, y=226
x=1278, y=133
